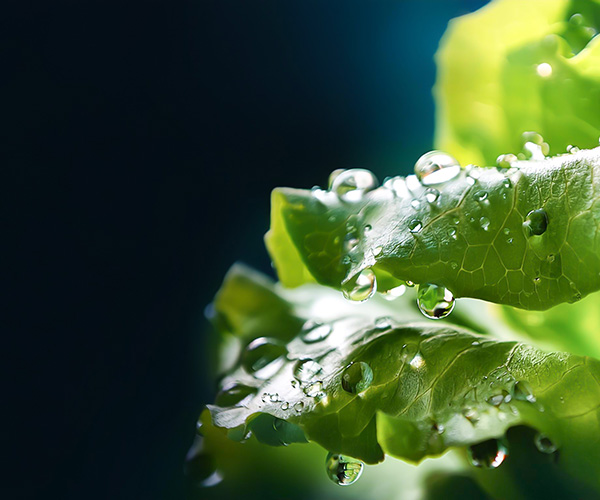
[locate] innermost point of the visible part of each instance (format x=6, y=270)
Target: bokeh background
x=141, y=141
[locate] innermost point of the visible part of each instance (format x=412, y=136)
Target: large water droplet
x=536, y=222
x=435, y=302
x=263, y=357
x=233, y=394
x=343, y=470
x=544, y=444
x=314, y=331
x=357, y=377
x=436, y=167
x=306, y=370
x=488, y=454
x=351, y=185
x=361, y=286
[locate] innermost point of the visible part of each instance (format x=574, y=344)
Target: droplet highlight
x=436, y=167
x=343, y=470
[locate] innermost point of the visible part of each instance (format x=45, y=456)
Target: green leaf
x=434, y=387
x=491, y=88
x=474, y=238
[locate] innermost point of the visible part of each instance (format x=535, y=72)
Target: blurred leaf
x=470, y=236
x=491, y=88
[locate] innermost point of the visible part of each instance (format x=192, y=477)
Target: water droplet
x=506, y=184
x=351, y=185
x=431, y=195
x=471, y=414
x=394, y=293
x=417, y=362
x=357, y=377
x=274, y=397
x=506, y=161
x=415, y=225
x=436, y=167
x=480, y=196
x=233, y=394
x=360, y=287
x=484, y=222
x=534, y=147
x=488, y=454
x=313, y=390
x=299, y=406
x=454, y=265
x=544, y=70
x=314, y=331
x=409, y=283
x=536, y=222
x=544, y=444
x=377, y=251
x=416, y=204
x=550, y=258
x=343, y=470
x=263, y=357
x=306, y=370
x=383, y=323
x=350, y=242
x=522, y=392
x=498, y=399
x=285, y=406
x=572, y=149
x=435, y=302
x=367, y=228
x=452, y=233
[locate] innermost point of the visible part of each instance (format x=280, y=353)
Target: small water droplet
x=522, y=392
x=306, y=370
x=550, y=258
x=351, y=185
x=534, y=147
x=484, y=222
x=299, y=406
x=314, y=331
x=357, y=377
x=480, y=196
x=509, y=241
x=367, y=228
x=409, y=283
x=498, y=399
x=506, y=161
x=274, y=397
x=360, y=287
x=572, y=149
x=536, y=222
x=416, y=204
x=383, y=323
x=436, y=167
x=263, y=357
x=454, y=265
x=377, y=251
x=471, y=414
x=489, y=454
x=350, y=242
x=394, y=293
x=452, y=233
x=435, y=302
x=506, y=184
x=415, y=225
x=285, y=406
x=544, y=444
x=313, y=390
x=343, y=470
x=431, y=195
x=233, y=394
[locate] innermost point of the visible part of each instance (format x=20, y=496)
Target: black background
x=140, y=143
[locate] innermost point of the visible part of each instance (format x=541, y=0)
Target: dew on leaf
x=415, y=225
x=489, y=454
x=360, y=287
x=436, y=167
x=357, y=377
x=544, y=444
x=484, y=222
x=263, y=357
x=435, y=302
x=306, y=370
x=471, y=414
x=313, y=390
x=314, y=331
x=299, y=406
x=572, y=149
x=285, y=406
x=351, y=185
x=343, y=470
x=377, y=251
x=505, y=161
x=431, y=195
x=536, y=222
x=480, y=196
x=522, y=392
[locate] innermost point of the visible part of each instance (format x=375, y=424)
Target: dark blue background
x=140, y=143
